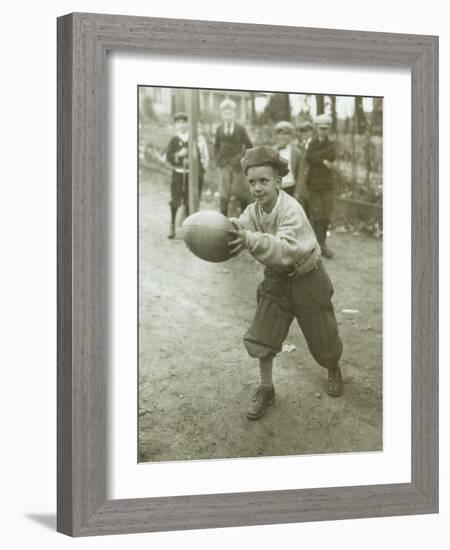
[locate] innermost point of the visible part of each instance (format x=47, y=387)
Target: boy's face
x=228, y=114
x=283, y=138
x=323, y=131
x=264, y=183
x=181, y=126
x=305, y=133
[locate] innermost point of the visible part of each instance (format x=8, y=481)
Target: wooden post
x=180, y=101
x=253, y=108
x=354, y=130
x=320, y=104
x=194, y=161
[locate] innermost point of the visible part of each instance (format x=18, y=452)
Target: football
x=206, y=234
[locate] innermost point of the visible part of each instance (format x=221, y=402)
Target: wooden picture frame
x=83, y=41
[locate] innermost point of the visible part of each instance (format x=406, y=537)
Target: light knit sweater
x=283, y=239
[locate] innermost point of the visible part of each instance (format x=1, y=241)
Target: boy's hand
x=328, y=164
x=238, y=243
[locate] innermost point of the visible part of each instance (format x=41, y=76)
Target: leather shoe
x=262, y=398
x=326, y=252
x=335, y=384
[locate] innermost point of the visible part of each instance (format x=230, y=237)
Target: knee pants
x=307, y=298
x=233, y=182
x=321, y=204
x=179, y=190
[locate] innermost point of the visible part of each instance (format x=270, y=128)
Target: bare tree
x=279, y=107
x=377, y=116
x=320, y=104
x=360, y=117
x=333, y=113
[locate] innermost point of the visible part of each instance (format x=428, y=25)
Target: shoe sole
x=262, y=413
x=335, y=393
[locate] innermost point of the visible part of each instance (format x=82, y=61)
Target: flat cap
x=227, y=104
x=264, y=156
x=322, y=120
x=180, y=116
x=284, y=126
x=305, y=125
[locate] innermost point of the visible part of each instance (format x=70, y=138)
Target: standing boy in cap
x=305, y=129
x=320, y=155
x=178, y=157
x=230, y=143
x=277, y=233
x=284, y=133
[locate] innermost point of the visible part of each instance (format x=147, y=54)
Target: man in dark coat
x=231, y=142
x=320, y=156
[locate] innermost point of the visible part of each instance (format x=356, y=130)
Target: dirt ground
x=196, y=379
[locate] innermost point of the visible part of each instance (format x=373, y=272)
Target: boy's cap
x=180, y=116
x=227, y=104
x=264, y=156
x=305, y=125
x=284, y=126
x=322, y=120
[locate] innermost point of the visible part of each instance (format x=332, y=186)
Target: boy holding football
x=277, y=233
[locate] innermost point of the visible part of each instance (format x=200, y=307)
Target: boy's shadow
x=47, y=520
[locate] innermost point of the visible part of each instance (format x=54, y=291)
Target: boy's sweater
x=282, y=239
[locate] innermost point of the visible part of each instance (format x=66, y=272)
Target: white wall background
x=28, y=252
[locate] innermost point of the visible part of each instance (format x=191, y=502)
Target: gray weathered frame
x=83, y=41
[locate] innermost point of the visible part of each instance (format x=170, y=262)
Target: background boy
x=278, y=234
x=178, y=157
x=284, y=131
x=304, y=133
x=320, y=155
x=231, y=141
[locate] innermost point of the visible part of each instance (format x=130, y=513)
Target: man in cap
x=230, y=143
x=277, y=233
x=320, y=156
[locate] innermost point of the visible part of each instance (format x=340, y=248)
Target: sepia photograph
x=260, y=274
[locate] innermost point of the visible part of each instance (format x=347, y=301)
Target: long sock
x=173, y=213
x=265, y=369
x=224, y=207
x=318, y=229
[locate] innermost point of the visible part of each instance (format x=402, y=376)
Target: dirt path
x=196, y=378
